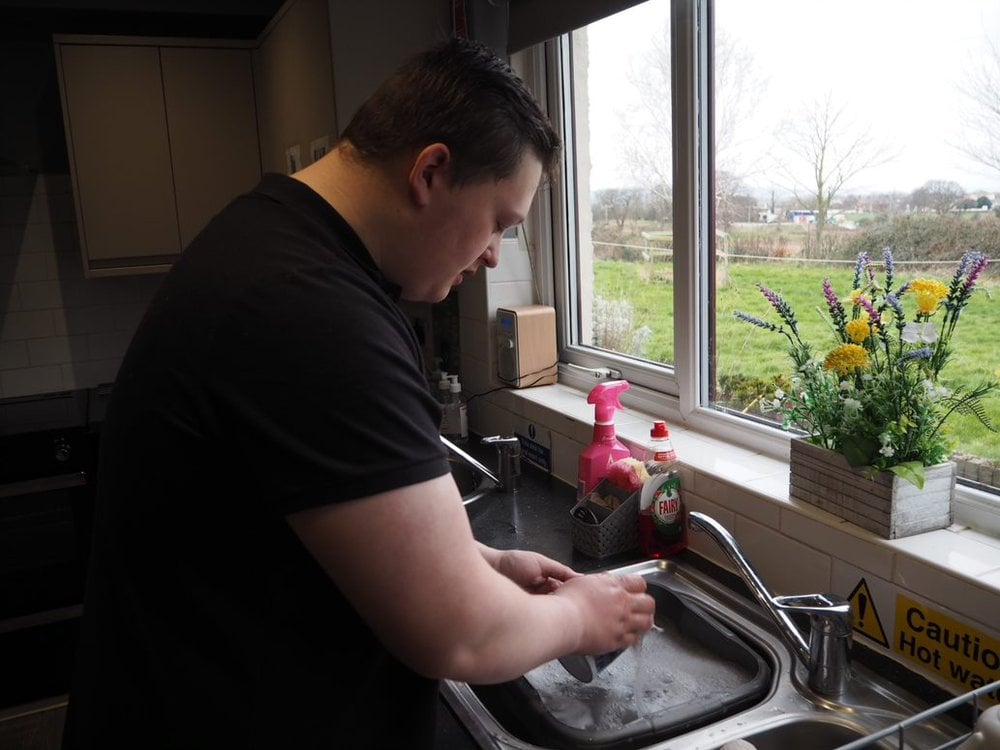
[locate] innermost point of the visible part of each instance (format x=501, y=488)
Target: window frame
x=680, y=392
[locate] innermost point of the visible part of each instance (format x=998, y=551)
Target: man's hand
x=533, y=572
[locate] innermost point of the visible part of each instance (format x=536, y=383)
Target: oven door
x=44, y=541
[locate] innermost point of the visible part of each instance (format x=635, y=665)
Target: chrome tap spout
x=470, y=460
x=826, y=655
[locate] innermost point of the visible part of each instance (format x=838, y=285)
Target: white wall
x=58, y=331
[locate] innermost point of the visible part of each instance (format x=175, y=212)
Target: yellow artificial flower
x=846, y=358
x=929, y=294
x=858, y=330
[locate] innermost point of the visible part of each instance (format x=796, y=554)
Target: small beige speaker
x=526, y=346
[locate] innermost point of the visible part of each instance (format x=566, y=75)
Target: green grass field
x=750, y=352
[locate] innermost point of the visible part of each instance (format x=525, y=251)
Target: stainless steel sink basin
x=786, y=714
x=809, y=733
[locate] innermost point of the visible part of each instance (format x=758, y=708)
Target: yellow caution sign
x=866, y=619
x=948, y=647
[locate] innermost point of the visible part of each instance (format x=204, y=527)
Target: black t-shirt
x=273, y=372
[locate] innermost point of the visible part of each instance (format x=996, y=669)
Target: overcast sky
x=896, y=65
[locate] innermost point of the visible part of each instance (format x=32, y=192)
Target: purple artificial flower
x=752, y=320
x=963, y=264
x=962, y=283
x=859, y=266
x=781, y=307
x=837, y=312
x=923, y=352
x=890, y=268
x=978, y=264
x=897, y=307
x=873, y=316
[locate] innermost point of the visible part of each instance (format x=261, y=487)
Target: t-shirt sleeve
x=324, y=394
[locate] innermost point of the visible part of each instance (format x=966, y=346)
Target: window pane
x=622, y=120
x=851, y=129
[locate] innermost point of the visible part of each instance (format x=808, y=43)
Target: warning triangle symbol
x=865, y=617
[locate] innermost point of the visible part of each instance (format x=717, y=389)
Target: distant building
x=802, y=216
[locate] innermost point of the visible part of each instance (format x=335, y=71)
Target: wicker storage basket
x=615, y=531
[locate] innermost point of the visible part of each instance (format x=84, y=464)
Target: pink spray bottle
x=605, y=448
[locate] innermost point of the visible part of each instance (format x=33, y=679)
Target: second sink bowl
x=814, y=734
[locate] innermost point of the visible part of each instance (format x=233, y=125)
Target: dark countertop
x=536, y=518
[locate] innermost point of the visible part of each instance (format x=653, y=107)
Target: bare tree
x=826, y=152
x=737, y=91
x=614, y=203
x=982, y=115
x=648, y=145
x=939, y=196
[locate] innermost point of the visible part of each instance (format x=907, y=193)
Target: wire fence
x=725, y=257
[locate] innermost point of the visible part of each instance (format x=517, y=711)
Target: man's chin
x=430, y=297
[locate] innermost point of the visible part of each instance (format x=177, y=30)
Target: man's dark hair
x=461, y=94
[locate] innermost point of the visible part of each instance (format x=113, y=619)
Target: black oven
x=48, y=458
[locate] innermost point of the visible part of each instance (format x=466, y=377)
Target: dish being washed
x=689, y=671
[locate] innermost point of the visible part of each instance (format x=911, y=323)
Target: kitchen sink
x=747, y=684
x=690, y=671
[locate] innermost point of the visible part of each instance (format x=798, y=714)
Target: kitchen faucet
x=508, y=458
x=827, y=654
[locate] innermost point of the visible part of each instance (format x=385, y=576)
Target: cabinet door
x=117, y=134
x=212, y=126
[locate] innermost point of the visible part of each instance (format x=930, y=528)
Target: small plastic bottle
x=662, y=513
x=660, y=454
x=443, y=388
x=455, y=421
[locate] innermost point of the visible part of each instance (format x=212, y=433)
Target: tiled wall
x=508, y=285
x=58, y=330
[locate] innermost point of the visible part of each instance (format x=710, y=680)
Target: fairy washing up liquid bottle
x=662, y=514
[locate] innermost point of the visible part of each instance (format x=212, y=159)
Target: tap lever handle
x=500, y=440
x=510, y=446
x=830, y=617
x=813, y=604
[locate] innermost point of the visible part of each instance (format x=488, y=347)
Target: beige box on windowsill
x=526, y=345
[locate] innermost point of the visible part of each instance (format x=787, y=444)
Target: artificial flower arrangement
x=875, y=397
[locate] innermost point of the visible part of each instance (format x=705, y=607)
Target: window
x=828, y=130
x=618, y=126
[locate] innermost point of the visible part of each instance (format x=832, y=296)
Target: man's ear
x=429, y=171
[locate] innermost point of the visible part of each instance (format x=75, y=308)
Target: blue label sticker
x=536, y=453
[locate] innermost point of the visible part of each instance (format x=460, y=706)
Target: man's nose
x=491, y=256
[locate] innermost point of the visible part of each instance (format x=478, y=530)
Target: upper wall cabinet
x=161, y=134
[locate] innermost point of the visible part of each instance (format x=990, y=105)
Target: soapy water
x=665, y=669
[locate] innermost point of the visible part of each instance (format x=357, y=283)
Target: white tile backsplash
x=58, y=330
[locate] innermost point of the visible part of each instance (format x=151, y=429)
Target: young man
x=281, y=557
